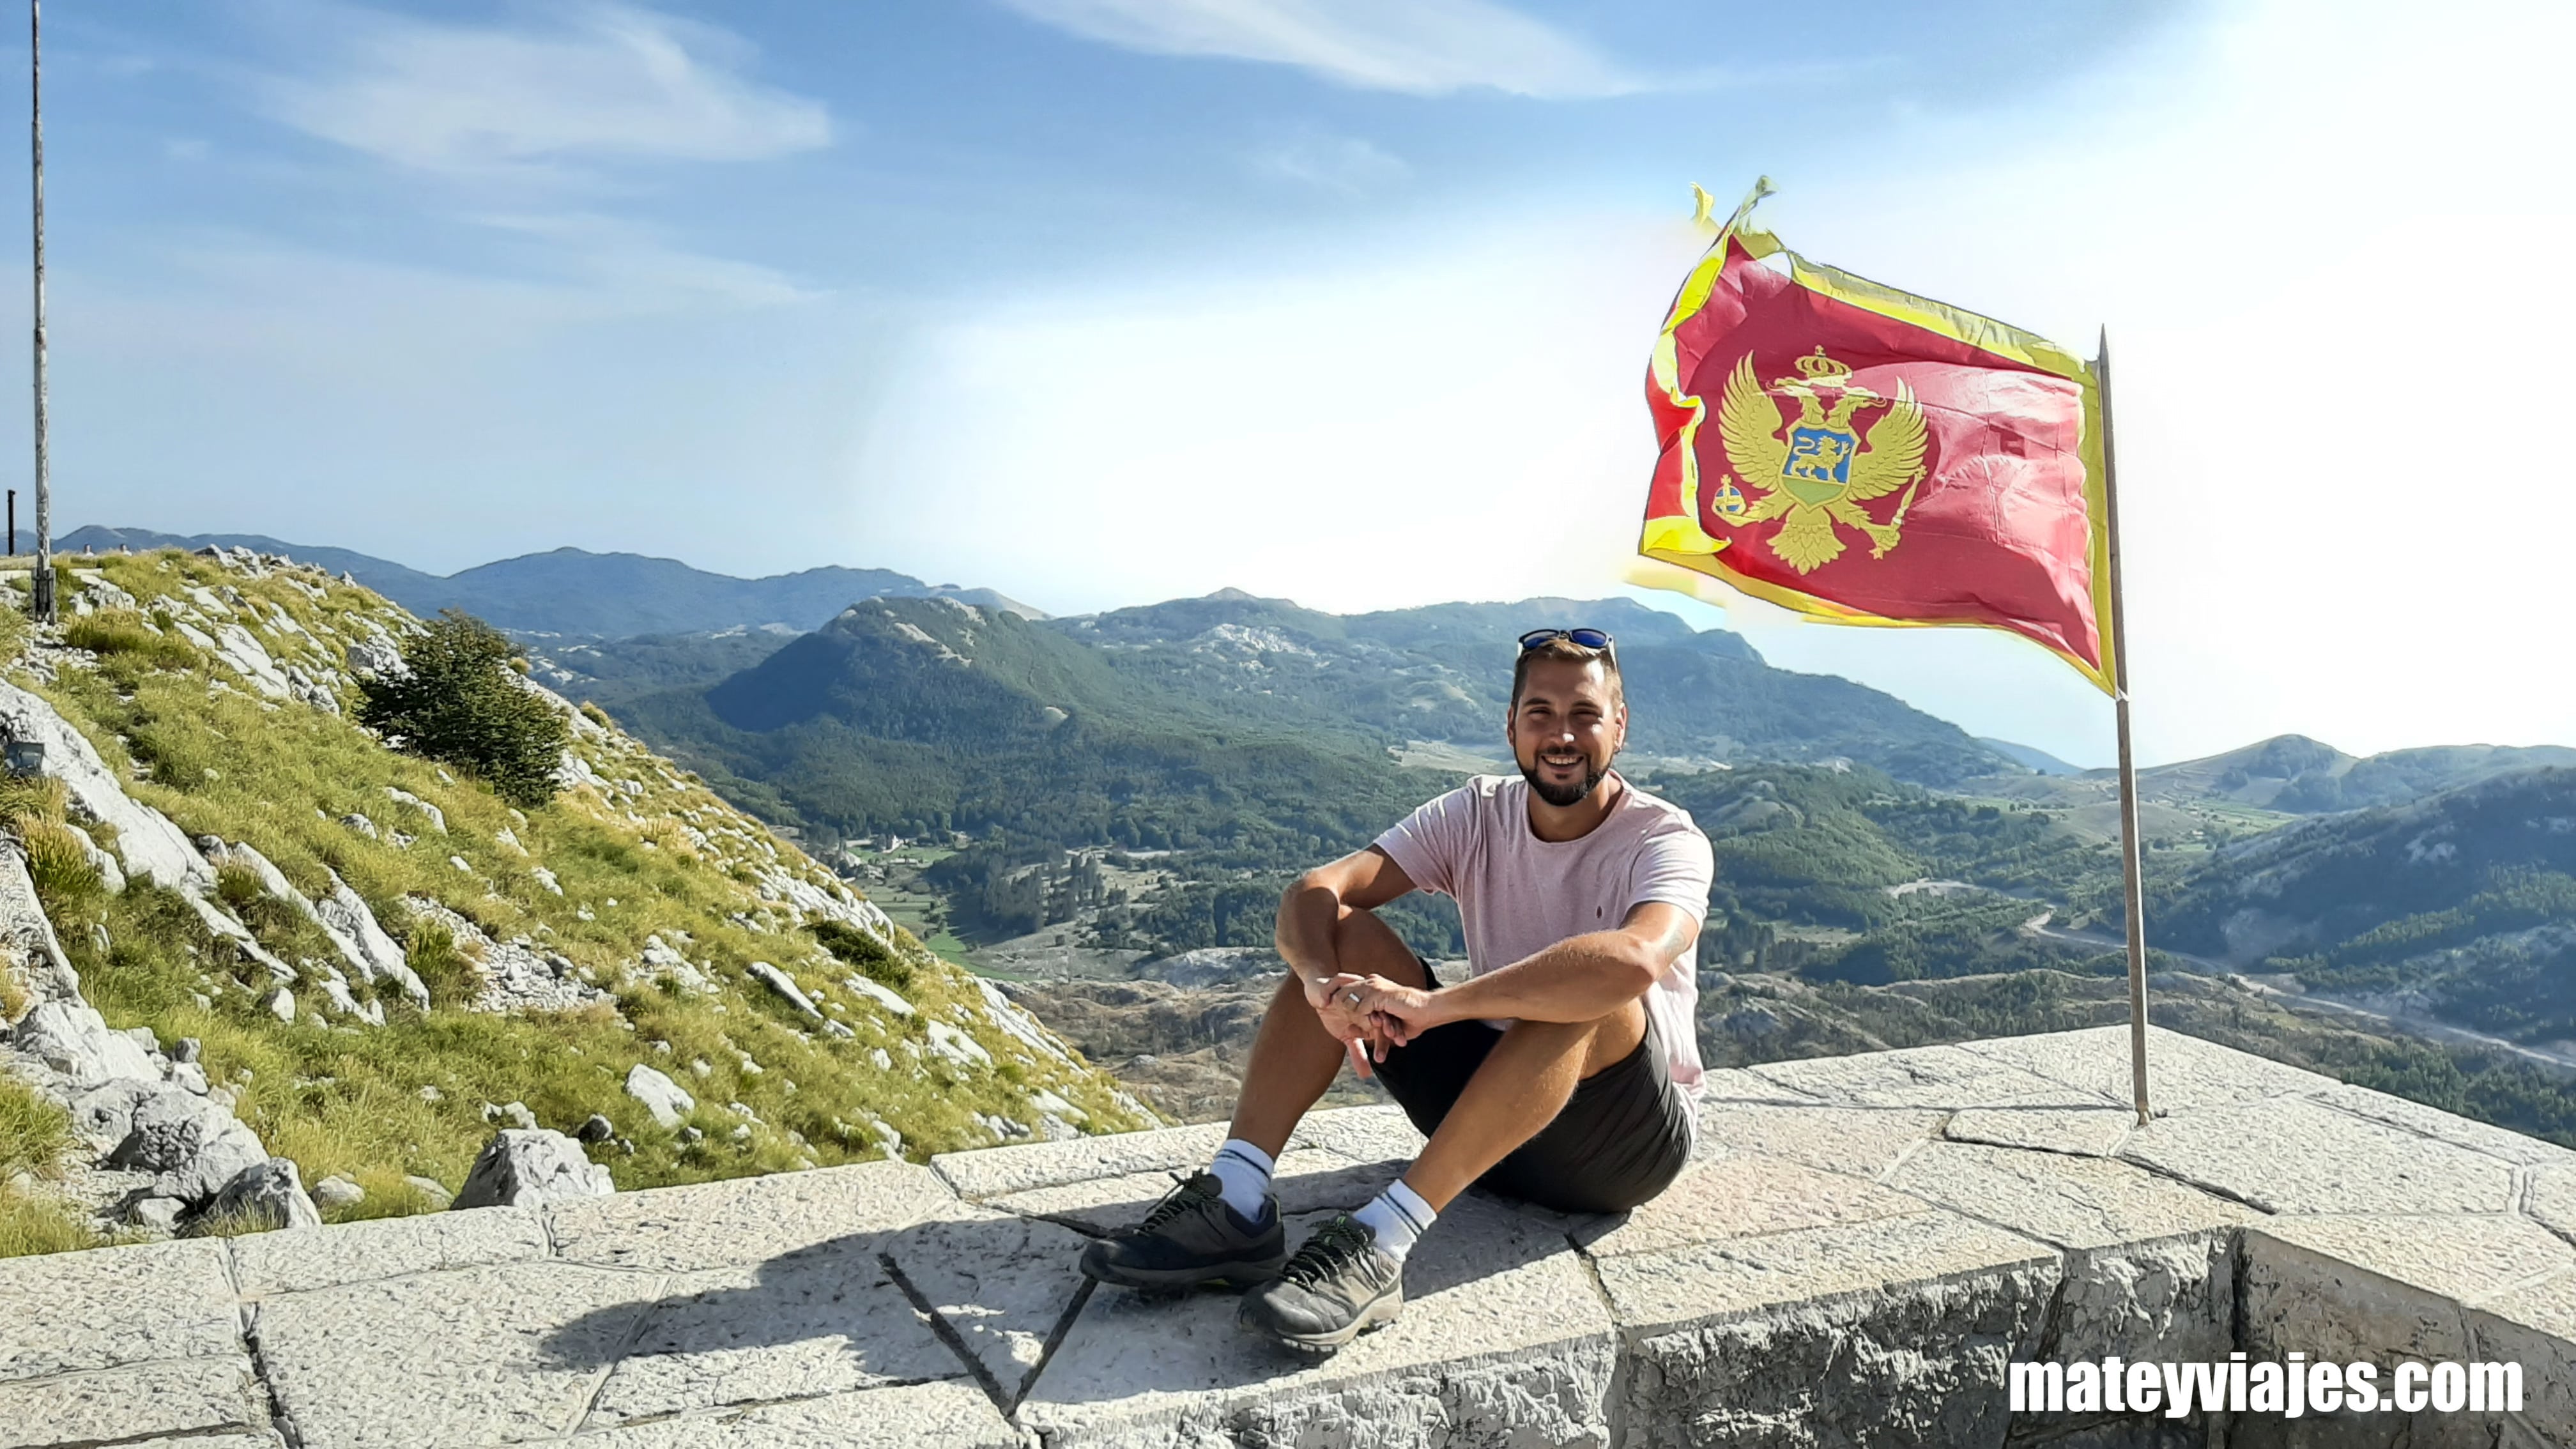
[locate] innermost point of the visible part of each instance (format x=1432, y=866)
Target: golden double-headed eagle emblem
x=1820, y=465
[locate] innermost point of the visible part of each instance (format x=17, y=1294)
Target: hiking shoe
x=1340, y=1285
x=1192, y=1237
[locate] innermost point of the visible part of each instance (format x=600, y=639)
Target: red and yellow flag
x=1855, y=453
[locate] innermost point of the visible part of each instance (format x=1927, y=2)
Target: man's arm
x=1577, y=979
x=1308, y=913
x=1313, y=904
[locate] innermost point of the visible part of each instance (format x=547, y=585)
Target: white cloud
x=1346, y=165
x=595, y=82
x=1421, y=47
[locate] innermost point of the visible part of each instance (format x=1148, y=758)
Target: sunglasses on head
x=1581, y=638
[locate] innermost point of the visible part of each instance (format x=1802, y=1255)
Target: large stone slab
x=2074, y=1202
x=949, y=1413
x=2184, y=1073
x=267, y=1263
x=184, y=1396
x=2464, y=1258
x=1362, y=1134
x=2442, y=1126
x=1862, y=1141
x=1942, y=1076
x=994, y=1171
x=1736, y=1084
x=2287, y=1155
x=1895, y=1331
x=470, y=1356
x=1743, y=1195
x=826, y=1320
x=1003, y=1285
x=745, y=1220
x=68, y=1312
x=1502, y=1340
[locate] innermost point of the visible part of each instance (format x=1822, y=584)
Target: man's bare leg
x=1523, y=1083
x=1294, y=1059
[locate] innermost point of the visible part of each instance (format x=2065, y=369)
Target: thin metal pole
x=2128, y=763
x=44, y=580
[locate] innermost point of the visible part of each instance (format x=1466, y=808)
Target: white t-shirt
x=1518, y=895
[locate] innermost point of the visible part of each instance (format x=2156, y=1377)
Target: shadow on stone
x=987, y=1296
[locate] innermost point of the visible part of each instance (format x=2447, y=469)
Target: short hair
x=1564, y=650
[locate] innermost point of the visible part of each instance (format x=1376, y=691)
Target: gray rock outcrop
x=520, y=1167
x=785, y=985
x=661, y=1096
x=149, y=845
x=514, y=976
x=194, y=1144
x=265, y=1196
x=73, y=1040
x=27, y=935
x=372, y=952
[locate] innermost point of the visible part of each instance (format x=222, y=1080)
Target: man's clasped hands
x=1368, y=1014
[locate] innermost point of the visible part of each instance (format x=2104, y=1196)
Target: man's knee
x=1367, y=946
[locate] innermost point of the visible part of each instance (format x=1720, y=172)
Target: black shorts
x=1622, y=1138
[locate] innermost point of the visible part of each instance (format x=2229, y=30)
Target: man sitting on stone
x=1558, y=1071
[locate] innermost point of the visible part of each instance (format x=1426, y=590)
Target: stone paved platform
x=1864, y=1245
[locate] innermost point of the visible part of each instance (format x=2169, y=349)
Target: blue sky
x=1104, y=301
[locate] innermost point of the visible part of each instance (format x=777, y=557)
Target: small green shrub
x=596, y=715
x=458, y=702
x=122, y=632
x=31, y=1225
x=34, y=1133
x=32, y=797
x=857, y=948
x=59, y=865
x=431, y=950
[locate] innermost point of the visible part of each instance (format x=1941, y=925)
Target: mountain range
x=574, y=594
x=1249, y=736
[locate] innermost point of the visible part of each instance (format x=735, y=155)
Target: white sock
x=1397, y=1216
x=1244, y=1170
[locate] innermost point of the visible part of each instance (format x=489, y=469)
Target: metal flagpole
x=44, y=580
x=2128, y=763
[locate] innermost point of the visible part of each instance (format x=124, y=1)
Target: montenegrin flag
x=1861, y=455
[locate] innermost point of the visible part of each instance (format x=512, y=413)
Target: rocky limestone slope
x=238, y=932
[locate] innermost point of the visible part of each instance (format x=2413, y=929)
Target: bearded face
x=1566, y=728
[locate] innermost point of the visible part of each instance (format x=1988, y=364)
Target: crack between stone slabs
x=246, y=1319
x=634, y=1335
x=955, y=1342
x=280, y=1422
x=2415, y=1132
x=1054, y=1340
x=738, y=1406
x=1622, y=1353
x=2169, y=1175
x=1940, y=1133
x=157, y=1436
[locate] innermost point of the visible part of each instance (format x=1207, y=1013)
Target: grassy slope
x=647, y=851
